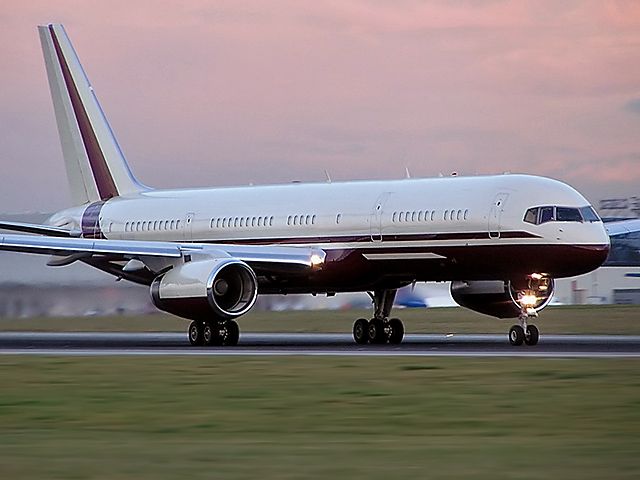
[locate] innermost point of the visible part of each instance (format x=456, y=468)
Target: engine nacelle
x=504, y=299
x=199, y=290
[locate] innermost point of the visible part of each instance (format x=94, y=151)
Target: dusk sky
x=207, y=93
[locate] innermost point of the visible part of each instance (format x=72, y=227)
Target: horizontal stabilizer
x=39, y=229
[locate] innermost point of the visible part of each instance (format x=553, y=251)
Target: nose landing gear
x=524, y=333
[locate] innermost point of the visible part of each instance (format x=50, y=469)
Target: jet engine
x=505, y=299
x=199, y=290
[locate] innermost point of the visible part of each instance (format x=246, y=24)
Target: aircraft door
x=375, y=219
x=188, y=227
x=495, y=215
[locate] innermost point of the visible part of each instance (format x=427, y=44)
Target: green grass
x=303, y=418
x=610, y=319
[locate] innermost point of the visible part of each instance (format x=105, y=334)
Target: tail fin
x=96, y=167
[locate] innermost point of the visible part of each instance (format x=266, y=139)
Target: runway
x=318, y=344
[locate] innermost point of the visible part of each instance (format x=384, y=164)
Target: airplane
x=207, y=253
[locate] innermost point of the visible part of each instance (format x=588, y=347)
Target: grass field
x=611, y=319
x=304, y=418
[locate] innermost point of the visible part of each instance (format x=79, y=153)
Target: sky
x=211, y=93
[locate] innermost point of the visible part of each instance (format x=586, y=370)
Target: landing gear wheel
x=516, y=335
x=211, y=334
x=361, y=331
x=532, y=335
x=397, y=331
x=232, y=333
x=376, y=331
x=196, y=334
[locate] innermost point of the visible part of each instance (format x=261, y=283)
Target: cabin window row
x=241, y=222
x=428, y=215
x=152, y=226
x=301, y=220
x=457, y=215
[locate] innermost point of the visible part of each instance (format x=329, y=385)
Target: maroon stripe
x=367, y=238
x=91, y=221
x=101, y=174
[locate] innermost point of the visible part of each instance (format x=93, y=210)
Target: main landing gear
x=380, y=329
x=524, y=333
x=215, y=333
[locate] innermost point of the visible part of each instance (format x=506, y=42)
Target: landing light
x=316, y=260
x=536, y=276
x=528, y=300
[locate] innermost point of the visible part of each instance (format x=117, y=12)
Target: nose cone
x=596, y=251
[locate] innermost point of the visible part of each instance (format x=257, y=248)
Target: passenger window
x=565, y=214
x=338, y=218
x=546, y=214
x=466, y=214
x=446, y=214
x=433, y=213
x=458, y=215
x=177, y=224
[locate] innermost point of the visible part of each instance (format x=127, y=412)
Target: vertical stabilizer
x=96, y=167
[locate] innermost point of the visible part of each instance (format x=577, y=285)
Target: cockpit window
x=589, y=214
x=540, y=215
x=531, y=216
x=565, y=214
x=546, y=214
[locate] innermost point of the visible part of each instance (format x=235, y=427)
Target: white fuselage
x=421, y=221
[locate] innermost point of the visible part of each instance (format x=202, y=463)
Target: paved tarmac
x=150, y=344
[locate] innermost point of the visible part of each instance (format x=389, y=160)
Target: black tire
x=196, y=334
x=361, y=331
x=217, y=333
x=397, y=331
x=532, y=336
x=516, y=335
x=232, y=333
x=207, y=334
x=376, y=332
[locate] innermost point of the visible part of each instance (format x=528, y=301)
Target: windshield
x=540, y=215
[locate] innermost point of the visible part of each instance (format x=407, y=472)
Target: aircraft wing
x=260, y=255
x=622, y=227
